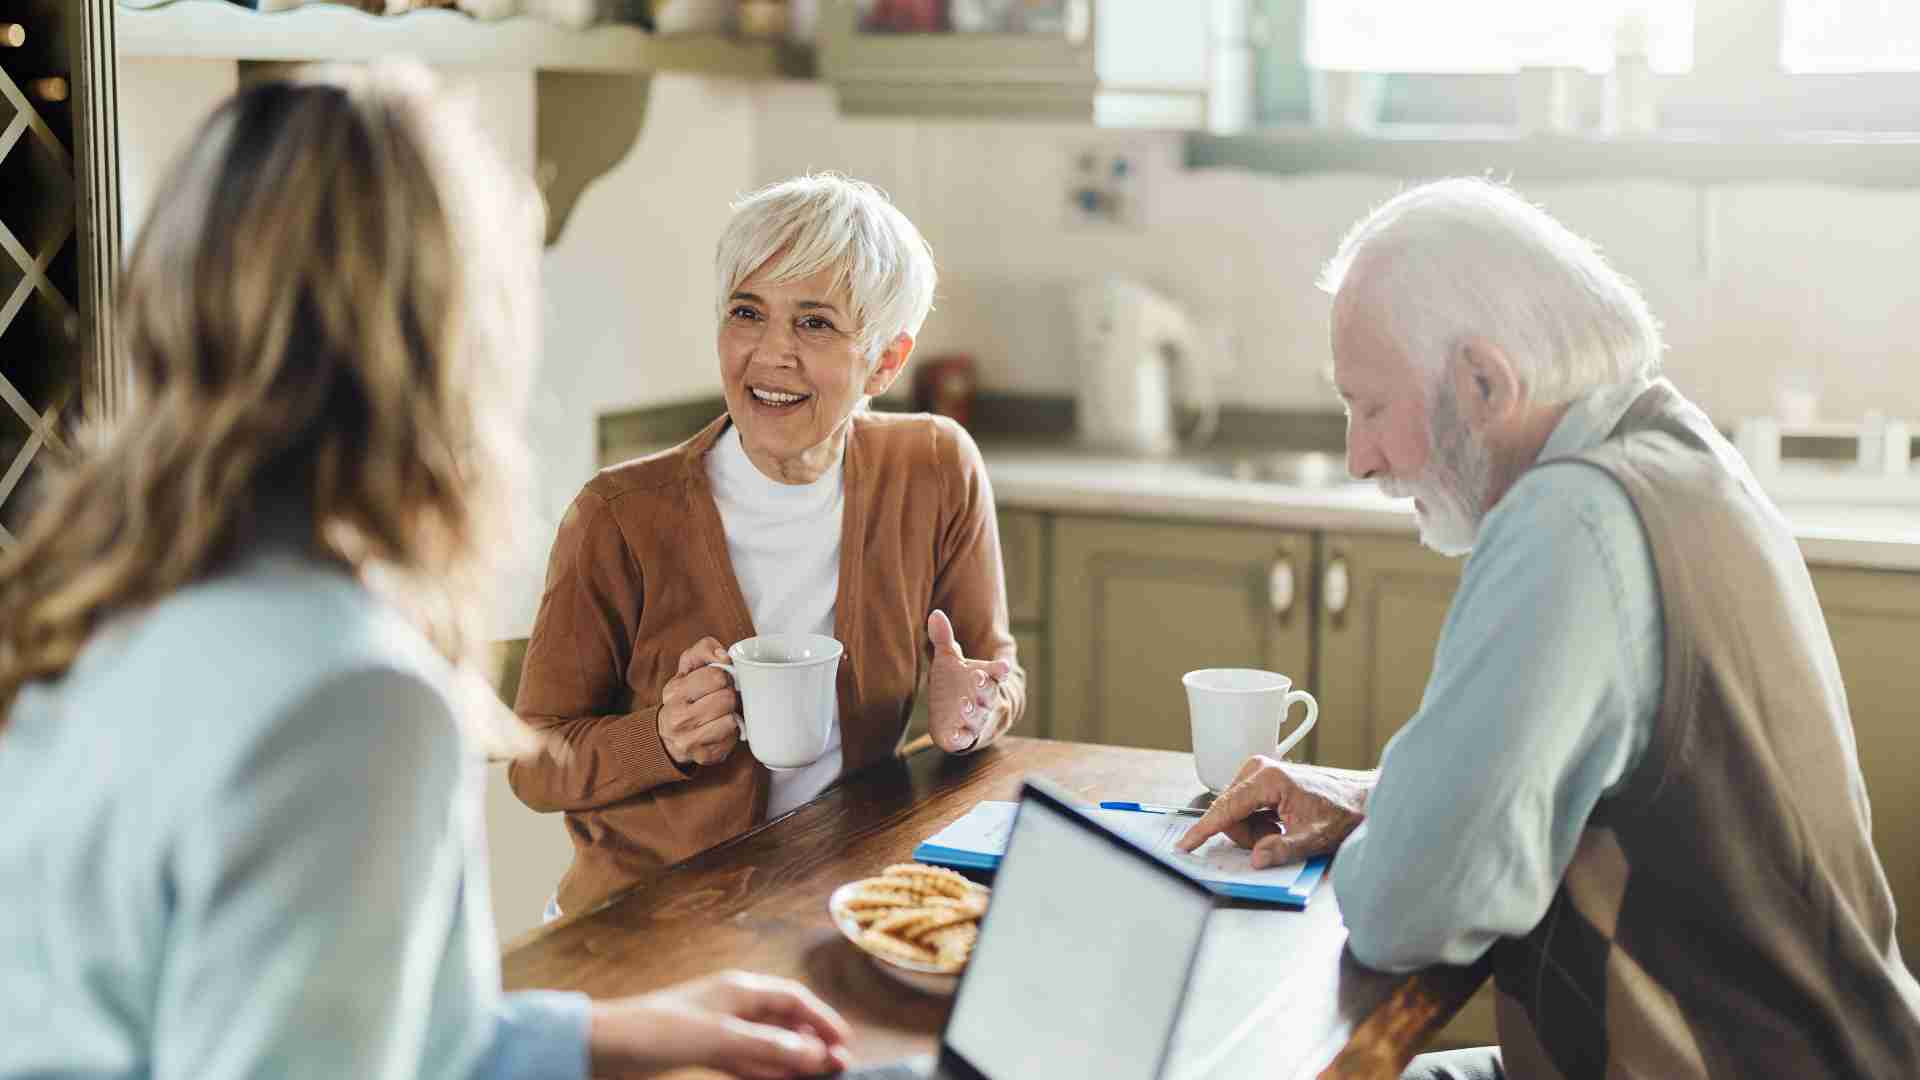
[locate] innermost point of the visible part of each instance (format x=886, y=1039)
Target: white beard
x=1452, y=488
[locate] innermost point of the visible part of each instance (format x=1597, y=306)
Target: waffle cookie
x=925, y=916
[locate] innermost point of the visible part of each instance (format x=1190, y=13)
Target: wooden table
x=1275, y=992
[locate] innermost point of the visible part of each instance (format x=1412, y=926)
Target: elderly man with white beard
x=1632, y=778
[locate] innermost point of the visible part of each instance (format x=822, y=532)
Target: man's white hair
x=1467, y=258
x=799, y=227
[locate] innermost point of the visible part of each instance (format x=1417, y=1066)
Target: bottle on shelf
x=52, y=88
x=1630, y=101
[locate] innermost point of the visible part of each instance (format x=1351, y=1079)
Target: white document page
x=1218, y=860
x=983, y=829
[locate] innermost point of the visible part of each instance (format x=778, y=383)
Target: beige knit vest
x=1725, y=914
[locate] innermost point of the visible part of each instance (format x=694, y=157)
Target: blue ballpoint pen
x=1154, y=808
x=1186, y=811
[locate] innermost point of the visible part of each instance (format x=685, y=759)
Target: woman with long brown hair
x=239, y=717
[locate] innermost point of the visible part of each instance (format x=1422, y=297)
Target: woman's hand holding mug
x=699, y=716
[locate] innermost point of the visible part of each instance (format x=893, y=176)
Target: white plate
x=922, y=977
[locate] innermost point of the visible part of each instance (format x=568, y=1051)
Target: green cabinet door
x=1136, y=604
x=1874, y=618
x=1023, y=559
x=1032, y=646
x=1382, y=601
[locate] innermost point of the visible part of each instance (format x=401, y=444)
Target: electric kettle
x=1134, y=347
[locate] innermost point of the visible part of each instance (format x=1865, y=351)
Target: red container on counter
x=945, y=385
x=905, y=16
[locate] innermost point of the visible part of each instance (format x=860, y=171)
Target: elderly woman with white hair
x=796, y=511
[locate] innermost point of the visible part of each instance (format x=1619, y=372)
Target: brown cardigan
x=640, y=572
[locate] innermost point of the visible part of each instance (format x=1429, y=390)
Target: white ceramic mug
x=1237, y=713
x=787, y=695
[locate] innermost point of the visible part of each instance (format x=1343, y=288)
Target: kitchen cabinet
x=1023, y=554
x=1874, y=618
x=1116, y=63
x=1136, y=604
x=1032, y=643
x=1023, y=559
x=1024, y=547
x=1381, y=601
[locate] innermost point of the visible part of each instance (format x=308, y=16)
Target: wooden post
x=97, y=198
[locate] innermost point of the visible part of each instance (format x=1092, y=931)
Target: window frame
x=1737, y=84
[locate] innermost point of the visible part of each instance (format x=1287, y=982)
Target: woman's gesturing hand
x=963, y=696
x=699, y=710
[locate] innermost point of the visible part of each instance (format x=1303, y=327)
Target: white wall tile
x=1294, y=226
x=162, y=104
x=630, y=315
x=1816, y=279
x=796, y=129
x=1652, y=233
x=1746, y=281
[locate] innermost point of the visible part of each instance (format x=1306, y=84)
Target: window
x=1745, y=69
x=1840, y=36
x=1816, y=91
x=1494, y=36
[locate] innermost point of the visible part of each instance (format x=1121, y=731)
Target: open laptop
x=1082, y=964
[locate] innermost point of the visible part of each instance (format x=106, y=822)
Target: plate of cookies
x=917, y=922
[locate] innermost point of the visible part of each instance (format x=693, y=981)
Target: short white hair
x=823, y=221
x=1468, y=258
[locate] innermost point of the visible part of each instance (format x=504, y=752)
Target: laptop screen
x=1083, y=961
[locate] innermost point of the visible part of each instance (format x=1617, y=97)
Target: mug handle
x=740, y=723
x=1313, y=715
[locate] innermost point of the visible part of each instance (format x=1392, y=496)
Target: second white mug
x=1237, y=713
x=787, y=686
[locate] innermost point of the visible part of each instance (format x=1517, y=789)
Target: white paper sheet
x=1218, y=860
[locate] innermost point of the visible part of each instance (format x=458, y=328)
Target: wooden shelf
x=216, y=29
x=1848, y=159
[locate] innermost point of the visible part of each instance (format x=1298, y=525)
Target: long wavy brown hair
x=328, y=321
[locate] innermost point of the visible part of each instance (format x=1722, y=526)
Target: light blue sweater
x=243, y=837
x=1545, y=683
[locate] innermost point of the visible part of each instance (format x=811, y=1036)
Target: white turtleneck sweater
x=784, y=541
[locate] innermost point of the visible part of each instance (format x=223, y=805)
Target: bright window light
x=1492, y=36
x=1851, y=35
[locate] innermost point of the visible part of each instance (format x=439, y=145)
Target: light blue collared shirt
x=243, y=838
x=1545, y=683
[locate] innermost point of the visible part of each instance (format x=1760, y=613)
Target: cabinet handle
x=1079, y=21
x=1337, y=588
x=1280, y=588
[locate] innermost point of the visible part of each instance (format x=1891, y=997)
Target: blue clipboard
x=1293, y=896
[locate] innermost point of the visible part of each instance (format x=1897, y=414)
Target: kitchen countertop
x=1880, y=537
